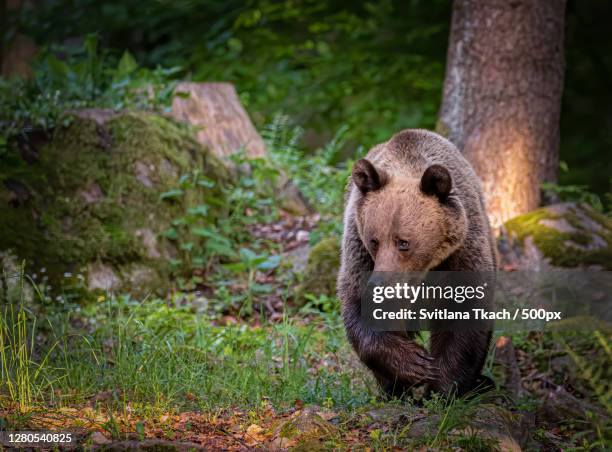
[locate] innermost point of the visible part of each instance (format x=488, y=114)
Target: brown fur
x=414, y=204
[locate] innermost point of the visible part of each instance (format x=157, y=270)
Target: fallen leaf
x=254, y=435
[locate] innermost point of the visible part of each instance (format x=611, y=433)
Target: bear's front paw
x=399, y=360
x=416, y=365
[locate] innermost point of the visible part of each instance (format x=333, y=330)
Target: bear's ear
x=367, y=178
x=436, y=181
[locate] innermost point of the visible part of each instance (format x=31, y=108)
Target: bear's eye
x=403, y=245
x=374, y=243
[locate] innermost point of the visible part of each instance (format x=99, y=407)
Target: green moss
x=554, y=243
x=581, y=239
x=600, y=218
x=322, y=268
x=84, y=200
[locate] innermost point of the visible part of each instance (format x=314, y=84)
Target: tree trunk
x=502, y=97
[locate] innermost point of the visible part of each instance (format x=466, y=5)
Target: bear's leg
x=459, y=356
x=398, y=368
x=397, y=361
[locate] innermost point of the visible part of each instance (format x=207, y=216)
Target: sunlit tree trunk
x=502, y=96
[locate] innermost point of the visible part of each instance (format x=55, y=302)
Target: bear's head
x=408, y=224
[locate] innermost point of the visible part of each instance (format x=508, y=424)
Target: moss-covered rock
x=322, y=269
x=86, y=210
x=561, y=235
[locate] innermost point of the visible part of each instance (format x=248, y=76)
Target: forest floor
x=158, y=373
x=178, y=373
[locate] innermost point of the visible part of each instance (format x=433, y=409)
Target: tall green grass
x=15, y=352
x=21, y=368
x=154, y=356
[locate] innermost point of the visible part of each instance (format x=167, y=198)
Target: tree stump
x=225, y=126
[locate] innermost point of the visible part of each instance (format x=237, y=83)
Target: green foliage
x=213, y=224
x=254, y=190
x=249, y=263
x=83, y=77
x=323, y=63
x=15, y=354
x=321, y=176
x=195, y=231
x=578, y=193
x=375, y=66
x=250, y=197
x=314, y=174
x=597, y=373
x=341, y=65
x=587, y=371
x=320, y=303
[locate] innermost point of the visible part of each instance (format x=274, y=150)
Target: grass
x=142, y=366
x=159, y=357
x=15, y=357
x=23, y=378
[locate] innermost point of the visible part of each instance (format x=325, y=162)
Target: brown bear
x=414, y=204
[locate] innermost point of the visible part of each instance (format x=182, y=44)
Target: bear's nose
x=376, y=279
x=382, y=278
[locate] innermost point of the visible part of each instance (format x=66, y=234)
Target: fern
x=316, y=173
x=595, y=374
